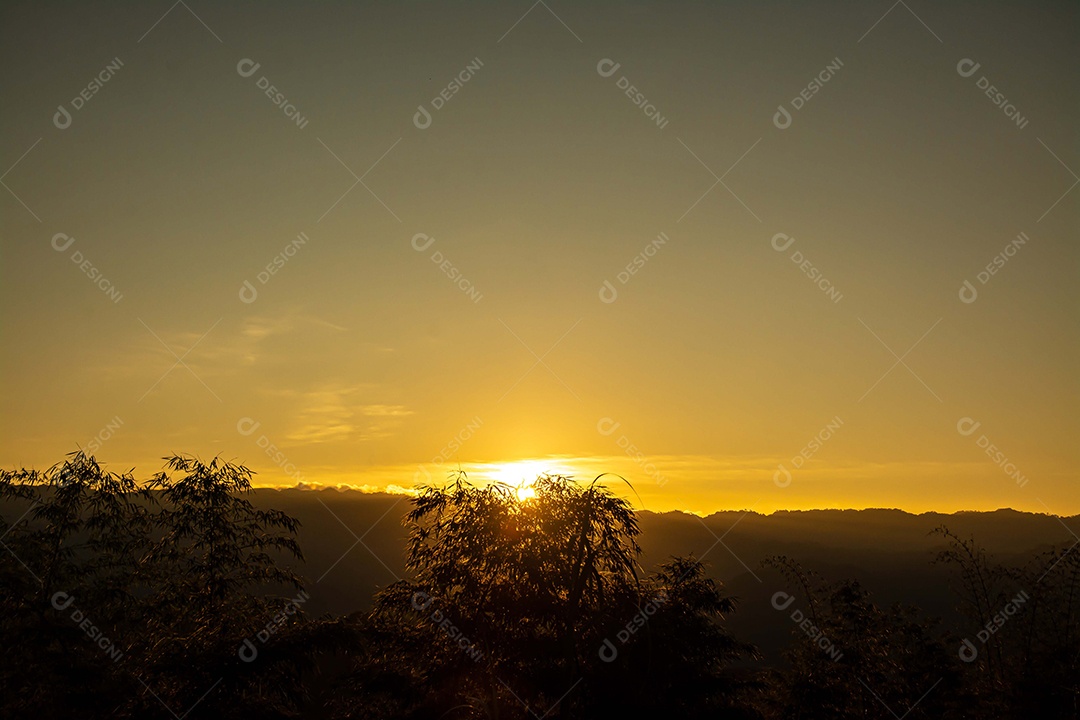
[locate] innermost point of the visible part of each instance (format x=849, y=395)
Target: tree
x=79, y=539
x=1022, y=645
x=673, y=654
x=513, y=601
x=216, y=580
x=851, y=658
x=129, y=601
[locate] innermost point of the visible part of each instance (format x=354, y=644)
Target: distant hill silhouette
x=297, y=603
x=889, y=551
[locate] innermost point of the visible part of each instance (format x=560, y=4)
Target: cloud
x=365, y=488
x=320, y=432
x=214, y=349
x=336, y=413
x=386, y=411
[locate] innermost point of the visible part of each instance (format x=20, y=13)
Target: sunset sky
x=455, y=298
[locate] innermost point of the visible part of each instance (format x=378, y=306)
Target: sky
x=745, y=255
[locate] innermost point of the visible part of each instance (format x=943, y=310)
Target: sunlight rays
x=521, y=474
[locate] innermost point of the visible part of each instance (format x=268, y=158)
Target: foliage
x=537, y=587
x=172, y=576
x=851, y=658
x=1024, y=625
x=178, y=597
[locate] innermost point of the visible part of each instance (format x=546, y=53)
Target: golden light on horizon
x=620, y=312
x=522, y=474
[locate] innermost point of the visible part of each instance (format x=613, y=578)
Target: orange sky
x=583, y=236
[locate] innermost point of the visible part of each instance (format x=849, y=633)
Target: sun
x=521, y=474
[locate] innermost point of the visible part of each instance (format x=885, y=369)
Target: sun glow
x=521, y=474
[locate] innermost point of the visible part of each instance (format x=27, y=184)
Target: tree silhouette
x=174, y=575
x=128, y=600
x=1022, y=643
x=851, y=658
x=80, y=537
x=539, y=588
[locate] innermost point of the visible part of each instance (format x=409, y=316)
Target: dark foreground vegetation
x=174, y=598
